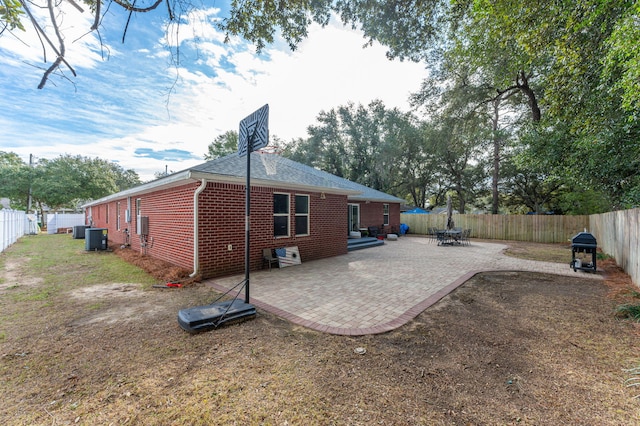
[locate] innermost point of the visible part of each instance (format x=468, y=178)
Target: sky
x=130, y=102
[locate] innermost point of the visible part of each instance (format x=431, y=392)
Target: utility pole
x=29, y=196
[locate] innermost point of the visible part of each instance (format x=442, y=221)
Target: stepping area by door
x=378, y=289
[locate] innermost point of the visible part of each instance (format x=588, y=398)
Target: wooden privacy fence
x=535, y=228
x=618, y=235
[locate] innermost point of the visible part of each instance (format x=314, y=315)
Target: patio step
x=362, y=243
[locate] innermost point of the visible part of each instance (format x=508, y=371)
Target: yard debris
x=168, y=285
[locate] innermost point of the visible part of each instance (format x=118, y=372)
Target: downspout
x=196, y=263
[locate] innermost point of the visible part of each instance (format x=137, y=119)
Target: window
x=106, y=213
x=385, y=214
x=302, y=215
x=118, y=215
x=280, y=215
x=138, y=214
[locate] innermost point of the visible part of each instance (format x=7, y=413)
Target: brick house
x=195, y=218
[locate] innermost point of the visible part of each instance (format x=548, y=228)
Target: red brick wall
x=170, y=215
x=221, y=223
x=372, y=214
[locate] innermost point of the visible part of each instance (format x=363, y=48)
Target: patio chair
x=269, y=258
x=432, y=232
x=373, y=231
x=466, y=237
x=442, y=237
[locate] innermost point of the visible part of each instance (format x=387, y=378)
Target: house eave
x=171, y=181
x=241, y=180
x=179, y=179
x=375, y=199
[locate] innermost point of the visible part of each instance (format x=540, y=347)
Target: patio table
x=449, y=236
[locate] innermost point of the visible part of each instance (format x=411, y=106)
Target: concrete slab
x=381, y=288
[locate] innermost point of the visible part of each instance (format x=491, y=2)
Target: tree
x=457, y=146
x=525, y=187
x=15, y=179
x=622, y=62
x=357, y=142
x=224, y=144
x=67, y=179
x=124, y=179
x=573, y=65
x=63, y=181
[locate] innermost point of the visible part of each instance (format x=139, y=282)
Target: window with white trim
x=280, y=215
x=138, y=214
x=385, y=214
x=302, y=214
x=118, y=215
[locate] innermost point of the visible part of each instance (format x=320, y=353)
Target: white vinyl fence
x=57, y=221
x=13, y=225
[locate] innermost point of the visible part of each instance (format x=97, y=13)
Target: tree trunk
x=496, y=156
x=523, y=84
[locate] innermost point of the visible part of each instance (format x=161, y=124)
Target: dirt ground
x=504, y=348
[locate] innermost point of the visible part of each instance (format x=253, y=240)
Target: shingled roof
x=266, y=169
x=281, y=170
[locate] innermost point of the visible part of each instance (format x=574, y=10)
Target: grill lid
x=584, y=239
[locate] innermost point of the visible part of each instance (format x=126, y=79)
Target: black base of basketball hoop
x=209, y=317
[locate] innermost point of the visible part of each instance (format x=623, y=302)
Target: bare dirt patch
x=504, y=348
x=113, y=303
x=13, y=276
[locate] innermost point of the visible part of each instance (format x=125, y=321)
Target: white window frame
x=385, y=214
x=138, y=214
x=287, y=215
x=307, y=214
x=351, y=207
x=118, y=215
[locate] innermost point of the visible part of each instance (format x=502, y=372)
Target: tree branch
x=131, y=7
x=40, y=31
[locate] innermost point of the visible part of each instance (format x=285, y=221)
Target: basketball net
x=269, y=161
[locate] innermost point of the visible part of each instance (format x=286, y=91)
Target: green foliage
x=257, y=20
x=15, y=177
x=11, y=15
x=67, y=179
x=63, y=181
x=224, y=144
x=580, y=201
x=364, y=144
x=572, y=68
x=622, y=62
x=629, y=310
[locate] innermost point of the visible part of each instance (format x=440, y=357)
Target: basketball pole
x=247, y=219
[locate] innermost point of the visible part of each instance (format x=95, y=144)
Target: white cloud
x=227, y=83
x=82, y=47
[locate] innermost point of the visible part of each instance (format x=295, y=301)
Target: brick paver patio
x=378, y=289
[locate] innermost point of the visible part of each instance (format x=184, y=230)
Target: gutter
x=196, y=256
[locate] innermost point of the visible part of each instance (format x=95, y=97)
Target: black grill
x=585, y=243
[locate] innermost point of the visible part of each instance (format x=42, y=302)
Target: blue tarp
x=417, y=210
x=404, y=228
